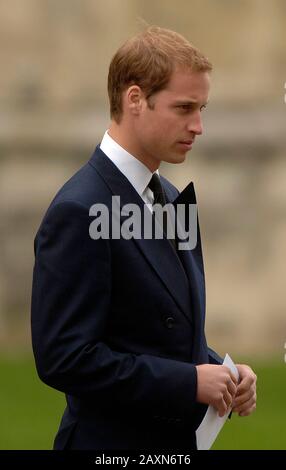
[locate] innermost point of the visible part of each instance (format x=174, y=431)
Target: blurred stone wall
x=53, y=110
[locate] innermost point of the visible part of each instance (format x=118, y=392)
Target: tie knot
x=157, y=189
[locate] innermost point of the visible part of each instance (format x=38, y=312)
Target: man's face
x=167, y=126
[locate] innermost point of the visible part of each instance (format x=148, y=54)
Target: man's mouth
x=186, y=143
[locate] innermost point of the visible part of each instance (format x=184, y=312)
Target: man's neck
x=124, y=138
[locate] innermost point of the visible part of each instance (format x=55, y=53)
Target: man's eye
x=189, y=107
x=185, y=107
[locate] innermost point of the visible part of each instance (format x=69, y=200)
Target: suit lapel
x=193, y=264
x=159, y=253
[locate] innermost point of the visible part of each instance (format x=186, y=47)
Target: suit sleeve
x=72, y=287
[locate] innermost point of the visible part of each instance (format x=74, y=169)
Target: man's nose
x=195, y=124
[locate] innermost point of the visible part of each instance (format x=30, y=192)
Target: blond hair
x=148, y=60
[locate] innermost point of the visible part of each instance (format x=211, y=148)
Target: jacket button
x=169, y=322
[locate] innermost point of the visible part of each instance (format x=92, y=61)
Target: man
x=117, y=323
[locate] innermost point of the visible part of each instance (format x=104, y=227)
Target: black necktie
x=160, y=198
x=156, y=188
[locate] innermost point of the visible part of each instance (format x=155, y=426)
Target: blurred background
x=54, y=57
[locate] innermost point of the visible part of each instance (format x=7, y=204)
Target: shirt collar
x=135, y=171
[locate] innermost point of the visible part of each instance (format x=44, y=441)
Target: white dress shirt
x=135, y=171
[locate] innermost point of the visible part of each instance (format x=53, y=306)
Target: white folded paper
x=212, y=423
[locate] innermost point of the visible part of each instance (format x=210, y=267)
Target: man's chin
x=178, y=158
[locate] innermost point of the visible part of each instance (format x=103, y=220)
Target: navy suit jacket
x=117, y=325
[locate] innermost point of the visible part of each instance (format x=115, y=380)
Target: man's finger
x=232, y=389
x=222, y=408
x=245, y=406
x=227, y=399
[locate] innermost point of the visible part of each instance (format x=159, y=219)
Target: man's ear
x=134, y=99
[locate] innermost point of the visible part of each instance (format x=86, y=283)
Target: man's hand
x=245, y=399
x=216, y=386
